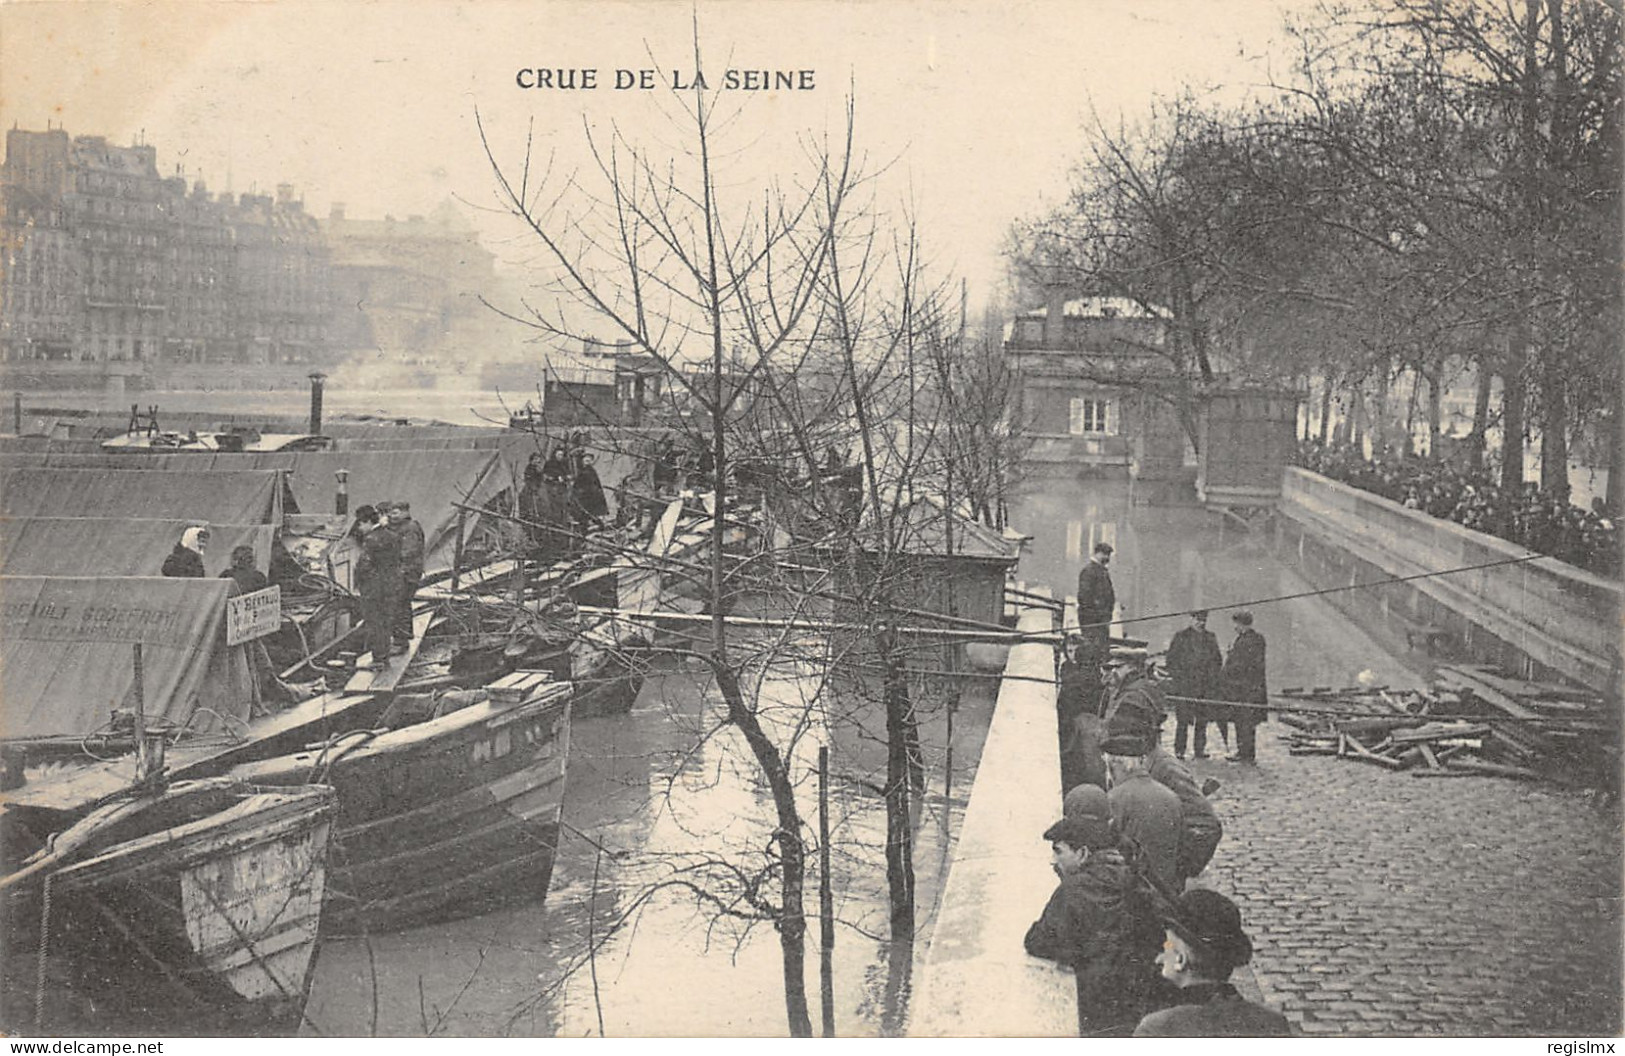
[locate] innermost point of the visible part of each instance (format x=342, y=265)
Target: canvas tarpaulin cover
x=431, y=480
x=67, y=654
x=229, y=498
x=97, y=546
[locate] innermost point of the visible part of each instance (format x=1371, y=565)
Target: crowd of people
x=1544, y=521
x=1152, y=950
x=560, y=500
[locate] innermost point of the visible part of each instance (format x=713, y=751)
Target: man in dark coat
x=1079, y=725
x=1200, y=829
x=246, y=579
x=1145, y=812
x=1096, y=598
x=1098, y=921
x=410, y=533
x=1194, y=663
x=1244, y=683
x=588, y=506
x=1204, y=942
x=378, y=580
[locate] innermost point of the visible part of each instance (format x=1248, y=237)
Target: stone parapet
x=977, y=980
x=1559, y=616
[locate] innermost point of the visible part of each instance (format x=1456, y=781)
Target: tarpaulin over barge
x=227, y=498
x=106, y=546
x=431, y=480
x=67, y=656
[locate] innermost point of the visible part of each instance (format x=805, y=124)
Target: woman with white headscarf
x=186, y=560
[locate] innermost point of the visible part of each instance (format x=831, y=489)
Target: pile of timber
x=1571, y=732
x=1362, y=700
x=1424, y=746
x=1472, y=721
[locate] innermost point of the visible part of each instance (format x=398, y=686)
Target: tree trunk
x=1514, y=385
x=899, y=795
x=1435, y=413
x=1357, y=419
x=1325, y=410
x=1512, y=408
x=1554, y=441
x=1408, y=448
x=1615, y=431
x=899, y=978
x=1381, y=426
x=1481, y=416
x=792, y=922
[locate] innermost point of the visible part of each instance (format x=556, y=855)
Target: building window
x=1090, y=417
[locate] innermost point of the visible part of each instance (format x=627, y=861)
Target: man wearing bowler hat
x=1204, y=942
x=1098, y=920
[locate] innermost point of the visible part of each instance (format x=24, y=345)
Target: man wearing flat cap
x=1204, y=942
x=1096, y=598
x=1244, y=683
x=1146, y=812
x=1098, y=920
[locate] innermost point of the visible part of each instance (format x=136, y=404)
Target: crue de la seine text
x=591, y=79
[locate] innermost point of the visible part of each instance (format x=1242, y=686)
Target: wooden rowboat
x=194, y=910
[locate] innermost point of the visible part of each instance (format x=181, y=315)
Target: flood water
x=664, y=796
x=1171, y=559
x=651, y=794
x=655, y=795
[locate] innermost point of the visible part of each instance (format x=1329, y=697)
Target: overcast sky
x=372, y=104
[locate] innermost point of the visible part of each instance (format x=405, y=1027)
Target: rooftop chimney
x=316, y=380
x=1055, y=315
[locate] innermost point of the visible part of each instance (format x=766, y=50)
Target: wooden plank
x=1479, y=766
x=1517, y=687
x=385, y=678
x=1428, y=756
x=1489, y=694
x=1440, y=730
x=1362, y=752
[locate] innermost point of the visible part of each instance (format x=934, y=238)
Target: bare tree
x=662, y=255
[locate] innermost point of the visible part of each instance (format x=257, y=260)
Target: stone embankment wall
x=1544, y=618
x=977, y=979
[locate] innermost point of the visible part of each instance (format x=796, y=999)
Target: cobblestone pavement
x=1382, y=904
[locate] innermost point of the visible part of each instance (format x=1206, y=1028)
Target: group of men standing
x=1228, y=690
x=561, y=499
x=387, y=576
x=1152, y=952
x=1207, y=686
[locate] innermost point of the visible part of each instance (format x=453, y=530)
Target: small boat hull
x=448, y=817
x=205, y=921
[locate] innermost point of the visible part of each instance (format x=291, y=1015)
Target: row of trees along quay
x=1431, y=187
x=825, y=332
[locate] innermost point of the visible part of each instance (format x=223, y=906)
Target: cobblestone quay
x=1383, y=904
x=1380, y=904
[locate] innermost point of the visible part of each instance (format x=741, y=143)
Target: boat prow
x=193, y=910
